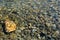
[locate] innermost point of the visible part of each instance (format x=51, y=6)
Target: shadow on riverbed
x=3, y=26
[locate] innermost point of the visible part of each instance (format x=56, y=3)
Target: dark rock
x=42, y=34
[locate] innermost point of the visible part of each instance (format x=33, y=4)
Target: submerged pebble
x=10, y=26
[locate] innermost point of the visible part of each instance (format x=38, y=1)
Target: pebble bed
x=35, y=19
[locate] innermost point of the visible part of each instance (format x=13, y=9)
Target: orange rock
x=10, y=26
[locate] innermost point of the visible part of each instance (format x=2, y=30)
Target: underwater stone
x=10, y=26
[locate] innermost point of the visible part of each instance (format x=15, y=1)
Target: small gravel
x=35, y=19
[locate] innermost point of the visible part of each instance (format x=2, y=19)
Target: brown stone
x=10, y=26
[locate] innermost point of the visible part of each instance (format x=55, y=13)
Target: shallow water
x=35, y=19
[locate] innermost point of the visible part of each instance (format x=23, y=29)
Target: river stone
x=10, y=26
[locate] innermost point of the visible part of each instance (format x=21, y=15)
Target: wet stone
x=10, y=26
x=54, y=27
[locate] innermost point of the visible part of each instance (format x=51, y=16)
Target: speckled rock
x=10, y=26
